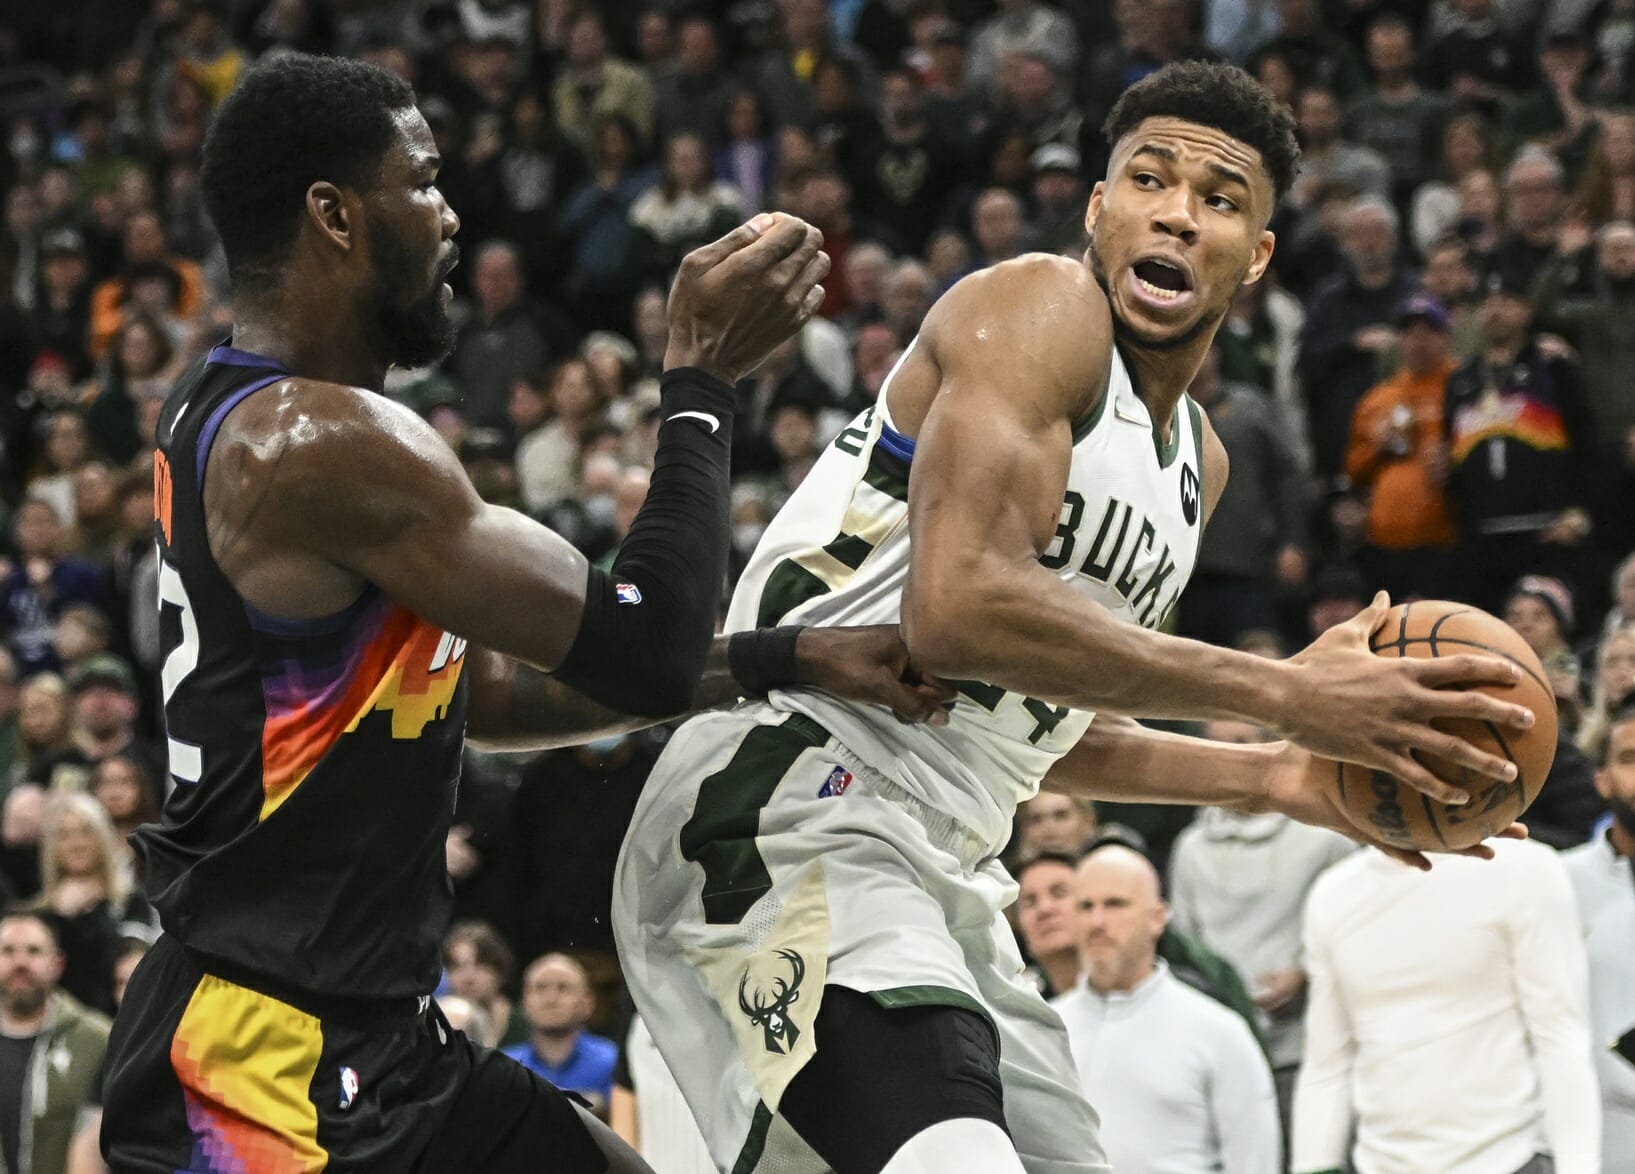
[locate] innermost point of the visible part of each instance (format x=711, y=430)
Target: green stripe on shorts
x=755, y=1144
x=720, y=836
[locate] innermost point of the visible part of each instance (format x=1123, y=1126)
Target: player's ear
x=1094, y=209
x=1263, y=256
x=328, y=211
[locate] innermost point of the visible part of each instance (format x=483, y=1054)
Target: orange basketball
x=1398, y=814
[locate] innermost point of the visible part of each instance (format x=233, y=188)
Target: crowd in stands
x=1433, y=392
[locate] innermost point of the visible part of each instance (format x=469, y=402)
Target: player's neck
x=1622, y=839
x=1061, y=969
x=1161, y=377
x=311, y=339
x=555, y=1047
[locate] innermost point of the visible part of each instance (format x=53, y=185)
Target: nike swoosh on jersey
x=715, y=424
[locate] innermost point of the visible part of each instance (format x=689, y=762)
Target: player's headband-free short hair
x=1217, y=95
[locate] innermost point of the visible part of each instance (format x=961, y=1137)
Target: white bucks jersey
x=838, y=554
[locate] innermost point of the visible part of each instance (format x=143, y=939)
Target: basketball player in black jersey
x=340, y=610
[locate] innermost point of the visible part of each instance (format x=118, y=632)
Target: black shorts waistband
x=361, y=1012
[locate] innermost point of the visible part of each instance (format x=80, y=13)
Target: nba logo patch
x=349, y=1086
x=837, y=782
x=627, y=592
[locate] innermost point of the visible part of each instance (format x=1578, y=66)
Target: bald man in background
x=1179, y=1081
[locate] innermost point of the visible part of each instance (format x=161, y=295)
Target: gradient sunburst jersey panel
x=317, y=689
x=245, y=1062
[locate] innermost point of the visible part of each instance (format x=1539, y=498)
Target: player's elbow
x=942, y=630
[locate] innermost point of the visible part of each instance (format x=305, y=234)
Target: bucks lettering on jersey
x=838, y=554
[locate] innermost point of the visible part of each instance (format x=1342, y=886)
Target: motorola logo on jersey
x=1189, y=495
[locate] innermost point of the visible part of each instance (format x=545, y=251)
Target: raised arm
x=315, y=489
x=1021, y=351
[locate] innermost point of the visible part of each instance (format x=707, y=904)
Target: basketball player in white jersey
x=808, y=904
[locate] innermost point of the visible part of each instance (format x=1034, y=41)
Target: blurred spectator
x=748, y=156
x=547, y=457
x=1060, y=202
x=996, y=226
x=1466, y=148
x=865, y=275
x=1450, y=278
x=464, y=1015
x=1046, y=919
x=1255, y=544
x=1481, y=63
x=51, y=1048
x=1482, y=964
x=787, y=74
x=501, y=342
x=1259, y=344
x=906, y=171
x=1237, y=885
x=909, y=293
x=1606, y=190
x=11, y=749
x=1235, y=28
x=1398, y=460
x=693, y=98
x=140, y=365
x=1520, y=451
x=1179, y=1081
x=1555, y=115
x=1327, y=160
x=66, y=445
x=145, y=253
x=1349, y=338
x=488, y=456
x=45, y=723
x=61, y=315
x=556, y=999
x=96, y=512
x=1316, y=55
x=596, y=219
x=784, y=376
x=688, y=207
x=1396, y=118
x=1595, y=318
x=478, y=966
x=1604, y=884
x=1534, y=199
x=948, y=256
x=125, y=787
x=842, y=125
x=41, y=584
x=1056, y=823
x=1021, y=28
x=594, y=86
x=1541, y=609
x=87, y=881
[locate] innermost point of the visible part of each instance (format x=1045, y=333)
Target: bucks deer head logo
x=769, y=1008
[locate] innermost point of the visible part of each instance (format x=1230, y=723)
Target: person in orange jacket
x=1396, y=455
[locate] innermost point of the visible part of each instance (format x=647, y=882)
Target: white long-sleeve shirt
x=1178, y=1080
x=1448, y=1016
x=1605, y=885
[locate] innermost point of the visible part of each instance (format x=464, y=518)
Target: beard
x=421, y=332
x=1623, y=813
x=1124, y=333
x=25, y=1003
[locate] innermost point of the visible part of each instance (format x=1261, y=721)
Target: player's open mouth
x=1160, y=284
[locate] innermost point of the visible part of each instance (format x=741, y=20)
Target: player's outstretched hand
x=736, y=299
x=1377, y=711
x=871, y=665
x=1295, y=786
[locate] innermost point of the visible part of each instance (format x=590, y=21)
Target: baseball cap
x=62, y=241
x=1056, y=157
x=103, y=668
x=1423, y=308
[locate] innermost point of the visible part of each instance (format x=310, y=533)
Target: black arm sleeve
x=647, y=627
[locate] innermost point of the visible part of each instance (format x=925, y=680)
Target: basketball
x=1398, y=814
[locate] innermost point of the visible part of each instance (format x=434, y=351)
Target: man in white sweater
x=1603, y=876
x=1178, y=1080
x=1238, y=883
x=1447, y=1019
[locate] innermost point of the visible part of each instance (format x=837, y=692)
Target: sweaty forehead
x=415, y=143
x=1193, y=142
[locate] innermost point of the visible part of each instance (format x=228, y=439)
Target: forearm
x=1024, y=630
x=1121, y=760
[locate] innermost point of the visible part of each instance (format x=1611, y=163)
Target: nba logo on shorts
x=627, y=592
x=837, y=782
x=349, y=1086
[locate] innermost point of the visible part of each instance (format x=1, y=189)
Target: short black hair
x=1218, y=95
x=1043, y=856
x=292, y=121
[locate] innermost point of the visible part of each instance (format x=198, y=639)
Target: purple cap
x=1423, y=307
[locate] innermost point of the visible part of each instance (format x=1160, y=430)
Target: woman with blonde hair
x=1614, y=681
x=86, y=881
